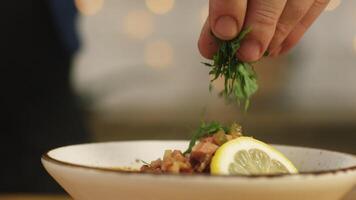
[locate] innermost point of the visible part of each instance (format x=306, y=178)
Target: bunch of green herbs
x=240, y=80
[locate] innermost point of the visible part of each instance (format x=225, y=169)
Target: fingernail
x=250, y=50
x=225, y=27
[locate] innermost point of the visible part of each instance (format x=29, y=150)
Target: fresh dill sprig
x=205, y=129
x=144, y=162
x=240, y=80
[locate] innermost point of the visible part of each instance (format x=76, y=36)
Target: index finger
x=262, y=17
x=226, y=17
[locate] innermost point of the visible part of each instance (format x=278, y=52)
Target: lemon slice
x=248, y=156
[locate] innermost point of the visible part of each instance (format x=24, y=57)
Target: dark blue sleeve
x=64, y=15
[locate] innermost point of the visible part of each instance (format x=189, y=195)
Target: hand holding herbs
x=240, y=81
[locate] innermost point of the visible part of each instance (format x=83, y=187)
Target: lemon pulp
x=248, y=156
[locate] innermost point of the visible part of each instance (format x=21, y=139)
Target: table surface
x=351, y=196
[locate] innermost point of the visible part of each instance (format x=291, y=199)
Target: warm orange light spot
x=160, y=6
x=89, y=7
x=158, y=54
x=138, y=24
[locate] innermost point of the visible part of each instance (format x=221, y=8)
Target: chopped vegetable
x=205, y=142
x=220, y=137
x=204, y=130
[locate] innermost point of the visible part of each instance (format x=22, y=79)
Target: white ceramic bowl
x=87, y=172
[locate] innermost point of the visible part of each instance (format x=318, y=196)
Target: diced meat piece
x=202, y=149
x=204, y=164
x=174, y=168
x=209, y=139
x=153, y=167
x=177, y=155
x=156, y=163
x=173, y=162
x=201, y=155
x=199, y=159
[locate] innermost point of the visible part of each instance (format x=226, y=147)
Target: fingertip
x=207, y=51
x=226, y=17
x=206, y=44
x=225, y=28
x=250, y=50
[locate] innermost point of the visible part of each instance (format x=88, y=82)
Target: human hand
x=277, y=25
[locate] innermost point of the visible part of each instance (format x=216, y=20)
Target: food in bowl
x=220, y=150
x=86, y=172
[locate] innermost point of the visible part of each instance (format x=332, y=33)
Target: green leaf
x=243, y=34
x=207, y=64
x=240, y=80
x=211, y=87
x=144, y=162
x=204, y=130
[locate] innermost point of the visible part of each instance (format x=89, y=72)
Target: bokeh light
x=158, y=54
x=138, y=24
x=89, y=7
x=204, y=12
x=333, y=4
x=160, y=6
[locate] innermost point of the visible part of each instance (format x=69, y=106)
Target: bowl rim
x=48, y=158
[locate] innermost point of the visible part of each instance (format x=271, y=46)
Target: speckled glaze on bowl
x=87, y=172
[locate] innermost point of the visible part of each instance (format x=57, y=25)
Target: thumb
x=226, y=17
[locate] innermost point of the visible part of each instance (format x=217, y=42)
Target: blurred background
x=139, y=77
x=103, y=70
